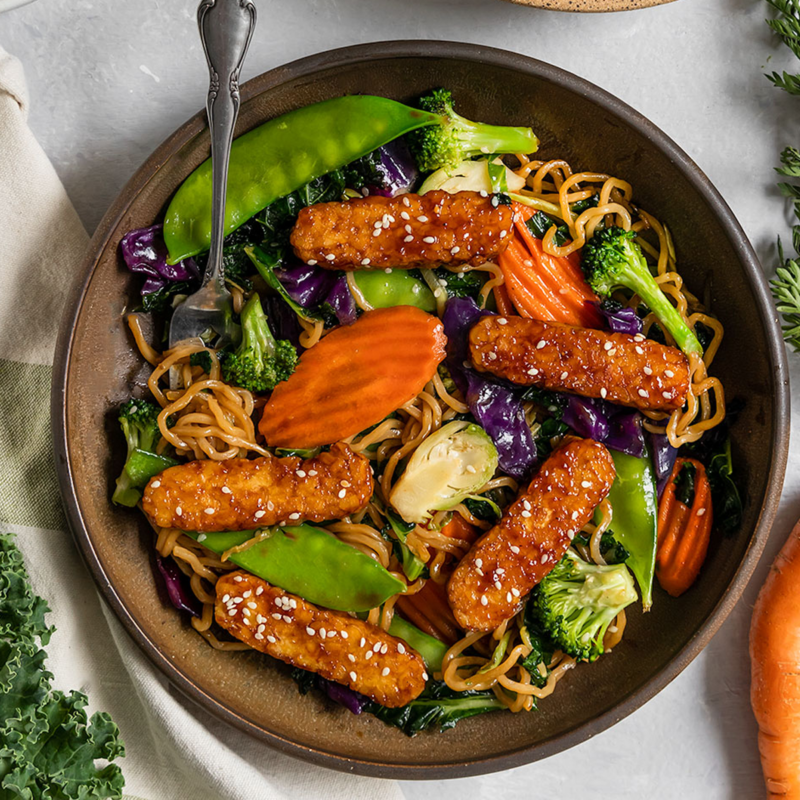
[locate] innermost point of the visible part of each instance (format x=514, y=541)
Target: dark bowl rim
x=347, y=56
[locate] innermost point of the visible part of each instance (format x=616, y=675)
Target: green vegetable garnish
x=725, y=495
x=452, y=138
x=397, y=530
x=684, y=484
x=542, y=648
x=48, y=745
x=577, y=601
x=396, y=288
x=139, y=422
x=450, y=465
x=438, y=706
x=431, y=649
x=260, y=362
x=633, y=498
x=612, y=259
x=612, y=551
x=309, y=562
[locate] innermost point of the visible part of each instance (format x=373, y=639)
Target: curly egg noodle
x=211, y=419
x=553, y=187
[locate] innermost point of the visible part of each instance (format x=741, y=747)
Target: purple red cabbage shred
x=496, y=407
x=145, y=252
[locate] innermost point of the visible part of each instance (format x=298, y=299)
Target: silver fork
x=226, y=27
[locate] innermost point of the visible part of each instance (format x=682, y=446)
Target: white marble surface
x=110, y=79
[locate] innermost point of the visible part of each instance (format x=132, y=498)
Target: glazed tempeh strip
x=402, y=232
x=242, y=494
x=629, y=370
x=333, y=644
x=491, y=581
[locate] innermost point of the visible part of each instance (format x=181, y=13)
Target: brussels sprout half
x=472, y=176
x=447, y=467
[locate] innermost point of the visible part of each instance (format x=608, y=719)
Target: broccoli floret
x=577, y=601
x=612, y=259
x=455, y=138
x=139, y=422
x=261, y=361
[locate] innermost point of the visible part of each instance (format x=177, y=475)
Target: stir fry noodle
x=554, y=183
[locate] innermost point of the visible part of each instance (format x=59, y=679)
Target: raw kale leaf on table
x=49, y=747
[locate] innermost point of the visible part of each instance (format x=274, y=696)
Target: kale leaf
x=201, y=359
x=714, y=450
x=481, y=509
x=724, y=494
x=161, y=299
x=540, y=223
x=278, y=217
x=461, y=284
x=542, y=650
x=438, y=706
x=48, y=744
x=613, y=551
x=684, y=484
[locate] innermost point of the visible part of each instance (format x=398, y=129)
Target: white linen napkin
x=174, y=750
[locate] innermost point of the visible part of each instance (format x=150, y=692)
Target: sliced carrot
x=354, y=377
x=458, y=528
x=430, y=606
x=683, y=532
x=416, y=617
x=542, y=286
x=502, y=300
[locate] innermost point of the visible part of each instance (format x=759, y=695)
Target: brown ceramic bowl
x=97, y=366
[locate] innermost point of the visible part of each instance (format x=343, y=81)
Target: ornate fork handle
x=226, y=28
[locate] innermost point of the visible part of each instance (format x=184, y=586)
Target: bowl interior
x=574, y=122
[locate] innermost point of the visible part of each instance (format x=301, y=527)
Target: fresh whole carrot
x=354, y=377
x=775, y=672
x=683, y=531
x=542, y=286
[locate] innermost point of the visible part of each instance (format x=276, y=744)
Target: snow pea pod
x=635, y=522
x=282, y=155
x=311, y=563
x=396, y=288
x=431, y=650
